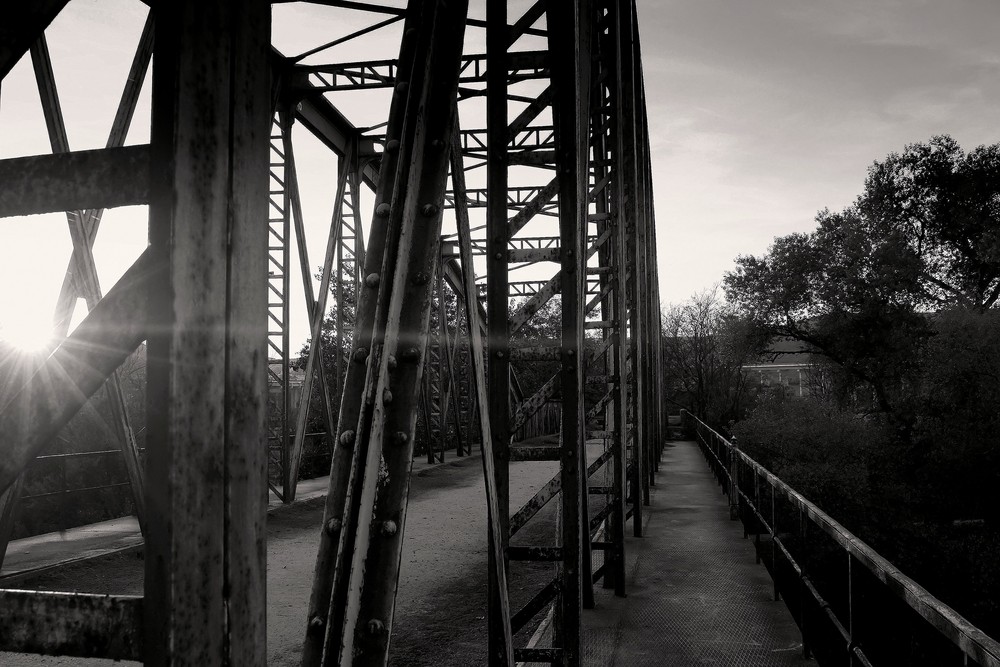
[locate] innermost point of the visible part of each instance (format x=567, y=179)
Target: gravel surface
x=441, y=604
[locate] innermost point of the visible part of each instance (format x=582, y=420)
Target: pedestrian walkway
x=31, y=556
x=695, y=593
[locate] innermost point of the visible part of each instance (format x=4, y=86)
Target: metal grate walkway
x=695, y=594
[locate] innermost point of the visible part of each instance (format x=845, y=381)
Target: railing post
x=734, y=481
x=774, y=545
x=803, y=592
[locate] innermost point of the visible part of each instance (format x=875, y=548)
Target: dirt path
x=441, y=604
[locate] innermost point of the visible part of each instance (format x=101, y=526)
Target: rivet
x=386, y=396
x=392, y=363
x=500, y=354
x=389, y=528
x=360, y=355
x=333, y=526
x=437, y=144
x=372, y=280
x=401, y=86
x=316, y=623
x=375, y=627
x=347, y=438
x=429, y=210
x=499, y=255
x=571, y=353
x=421, y=278
x=382, y=209
x=392, y=145
x=410, y=354
x=401, y=438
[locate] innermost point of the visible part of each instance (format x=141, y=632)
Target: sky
x=761, y=113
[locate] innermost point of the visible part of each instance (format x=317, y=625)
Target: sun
x=26, y=334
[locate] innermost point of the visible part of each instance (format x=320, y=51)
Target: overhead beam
x=102, y=178
x=22, y=24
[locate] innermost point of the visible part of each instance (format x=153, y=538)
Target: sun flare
x=26, y=335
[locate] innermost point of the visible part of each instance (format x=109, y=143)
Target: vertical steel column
x=279, y=242
x=618, y=410
x=629, y=218
x=327, y=602
x=350, y=260
x=358, y=565
x=569, y=39
x=501, y=647
x=497, y=235
x=205, y=596
x=395, y=370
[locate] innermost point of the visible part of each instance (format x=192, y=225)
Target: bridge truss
x=525, y=162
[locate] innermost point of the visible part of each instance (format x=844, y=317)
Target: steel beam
x=103, y=178
x=205, y=597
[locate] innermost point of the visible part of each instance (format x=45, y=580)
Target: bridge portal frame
x=198, y=296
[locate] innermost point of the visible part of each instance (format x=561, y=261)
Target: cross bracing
x=486, y=187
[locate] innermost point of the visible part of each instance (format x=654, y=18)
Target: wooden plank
x=77, y=625
x=102, y=178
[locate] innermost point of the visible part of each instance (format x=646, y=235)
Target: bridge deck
x=696, y=597
x=695, y=594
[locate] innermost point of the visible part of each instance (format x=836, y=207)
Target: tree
x=944, y=205
x=924, y=235
x=849, y=296
x=704, y=349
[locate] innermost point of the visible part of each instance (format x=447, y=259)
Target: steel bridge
x=530, y=154
x=505, y=174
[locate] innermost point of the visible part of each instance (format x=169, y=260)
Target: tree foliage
x=924, y=235
x=705, y=346
x=899, y=293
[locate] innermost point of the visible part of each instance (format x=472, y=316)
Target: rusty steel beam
x=205, y=559
x=570, y=50
x=499, y=369
x=500, y=616
x=78, y=625
x=406, y=297
x=23, y=23
x=103, y=178
x=338, y=541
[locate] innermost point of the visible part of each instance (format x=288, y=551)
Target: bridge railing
x=852, y=606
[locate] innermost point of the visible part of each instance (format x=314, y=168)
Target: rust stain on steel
x=72, y=624
x=75, y=181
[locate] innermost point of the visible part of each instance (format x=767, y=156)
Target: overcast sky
x=764, y=112
x=761, y=113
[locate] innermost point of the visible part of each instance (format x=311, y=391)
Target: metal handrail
x=970, y=640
